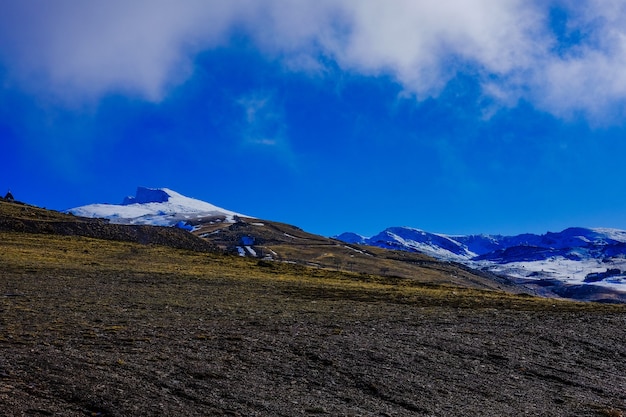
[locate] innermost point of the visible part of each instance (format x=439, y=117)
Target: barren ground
x=120, y=329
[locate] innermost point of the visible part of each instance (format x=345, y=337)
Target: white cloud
x=590, y=78
x=263, y=121
x=423, y=43
x=83, y=50
x=78, y=48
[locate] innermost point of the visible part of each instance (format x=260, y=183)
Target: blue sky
x=455, y=117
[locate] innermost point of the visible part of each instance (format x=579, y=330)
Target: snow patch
x=353, y=249
x=250, y=250
x=565, y=270
x=155, y=206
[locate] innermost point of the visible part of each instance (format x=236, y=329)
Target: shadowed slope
x=15, y=216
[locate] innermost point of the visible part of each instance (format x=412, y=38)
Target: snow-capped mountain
x=574, y=256
x=156, y=206
x=436, y=245
x=577, y=259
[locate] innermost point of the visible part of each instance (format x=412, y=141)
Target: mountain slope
x=19, y=217
x=271, y=243
x=275, y=241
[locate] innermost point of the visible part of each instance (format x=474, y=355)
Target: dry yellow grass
x=73, y=256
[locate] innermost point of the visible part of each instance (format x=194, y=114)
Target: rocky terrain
x=115, y=328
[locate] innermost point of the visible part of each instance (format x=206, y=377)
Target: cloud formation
x=84, y=50
x=88, y=49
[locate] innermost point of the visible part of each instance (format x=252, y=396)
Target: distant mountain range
x=576, y=256
x=576, y=259
x=524, y=247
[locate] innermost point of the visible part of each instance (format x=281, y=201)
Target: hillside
x=578, y=263
x=20, y=217
x=116, y=328
x=273, y=241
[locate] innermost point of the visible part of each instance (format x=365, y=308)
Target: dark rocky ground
x=106, y=344
x=93, y=327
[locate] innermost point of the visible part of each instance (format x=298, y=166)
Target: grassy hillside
x=272, y=240
x=283, y=242
x=22, y=253
x=103, y=327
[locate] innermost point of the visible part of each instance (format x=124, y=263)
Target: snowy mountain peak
x=150, y=195
x=156, y=206
x=407, y=238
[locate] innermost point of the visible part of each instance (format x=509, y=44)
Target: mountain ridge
x=573, y=256
x=481, y=244
x=549, y=264
x=274, y=241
